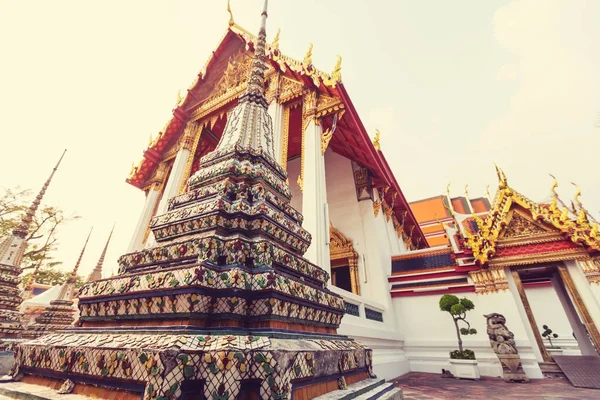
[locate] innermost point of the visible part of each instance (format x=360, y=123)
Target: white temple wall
x=429, y=334
x=344, y=212
x=347, y=215
x=548, y=310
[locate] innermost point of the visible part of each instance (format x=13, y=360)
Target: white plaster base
x=432, y=357
x=389, y=359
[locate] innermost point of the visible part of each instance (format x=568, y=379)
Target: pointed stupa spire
x=23, y=229
x=67, y=287
x=97, y=272
x=249, y=126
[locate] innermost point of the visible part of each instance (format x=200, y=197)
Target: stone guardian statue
x=503, y=342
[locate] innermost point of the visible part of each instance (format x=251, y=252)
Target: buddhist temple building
x=277, y=257
x=535, y=263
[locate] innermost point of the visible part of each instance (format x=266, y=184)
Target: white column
x=314, y=198
x=378, y=253
x=586, y=347
x=583, y=287
x=175, y=179
x=276, y=113
x=137, y=240
x=512, y=286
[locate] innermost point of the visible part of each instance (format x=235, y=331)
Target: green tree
x=457, y=308
x=42, y=239
x=52, y=276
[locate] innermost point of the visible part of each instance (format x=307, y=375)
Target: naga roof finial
x=23, y=229
x=487, y=192
x=501, y=177
x=577, y=194
x=336, y=75
x=308, y=57
x=275, y=44
x=231, y=21
x=554, y=185
x=376, y=143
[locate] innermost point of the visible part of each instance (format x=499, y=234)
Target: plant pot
x=465, y=369
x=554, y=351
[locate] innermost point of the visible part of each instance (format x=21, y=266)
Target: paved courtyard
x=422, y=386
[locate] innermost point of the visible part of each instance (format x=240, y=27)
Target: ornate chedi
x=12, y=249
x=503, y=343
x=224, y=305
x=60, y=313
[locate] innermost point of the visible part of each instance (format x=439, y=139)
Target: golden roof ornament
x=337, y=70
x=231, y=22
x=487, y=192
x=577, y=194
x=376, y=140
x=150, y=141
x=275, y=44
x=308, y=57
x=501, y=177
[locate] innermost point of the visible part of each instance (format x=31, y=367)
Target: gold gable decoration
x=341, y=248
x=519, y=226
x=483, y=243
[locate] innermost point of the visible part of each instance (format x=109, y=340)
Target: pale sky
x=453, y=86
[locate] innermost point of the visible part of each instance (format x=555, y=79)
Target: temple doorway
x=557, y=315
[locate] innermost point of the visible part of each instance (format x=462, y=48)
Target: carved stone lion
x=501, y=339
x=503, y=343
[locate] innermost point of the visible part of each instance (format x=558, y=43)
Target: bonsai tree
x=549, y=335
x=457, y=308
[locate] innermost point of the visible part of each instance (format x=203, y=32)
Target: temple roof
x=516, y=214
x=350, y=138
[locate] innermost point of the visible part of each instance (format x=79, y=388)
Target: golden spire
x=275, y=44
x=308, y=57
x=336, y=75
x=23, y=229
x=554, y=185
x=376, y=140
x=577, y=194
x=231, y=22
x=501, y=177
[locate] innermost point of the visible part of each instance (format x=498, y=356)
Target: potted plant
x=549, y=335
x=462, y=361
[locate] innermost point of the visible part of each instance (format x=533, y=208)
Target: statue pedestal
x=512, y=368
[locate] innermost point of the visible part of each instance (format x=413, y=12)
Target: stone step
x=386, y=391
x=551, y=370
x=365, y=390
x=27, y=391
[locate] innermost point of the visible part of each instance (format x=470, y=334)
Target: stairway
x=369, y=389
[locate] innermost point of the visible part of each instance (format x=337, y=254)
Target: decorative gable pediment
x=520, y=224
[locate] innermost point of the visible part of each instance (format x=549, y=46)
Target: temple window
x=344, y=262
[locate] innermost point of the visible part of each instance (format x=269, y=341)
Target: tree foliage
x=458, y=308
x=42, y=239
x=52, y=276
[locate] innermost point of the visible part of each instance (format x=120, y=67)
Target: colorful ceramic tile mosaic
x=223, y=300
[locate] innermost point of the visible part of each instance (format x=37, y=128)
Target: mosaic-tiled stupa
x=60, y=313
x=224, y=306
x=12, y=250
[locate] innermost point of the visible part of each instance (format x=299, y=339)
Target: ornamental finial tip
x=308, y=57
x=376, y=143
x=231, y=21
x=337, y=70
x=275, y=44
x=577, y=194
